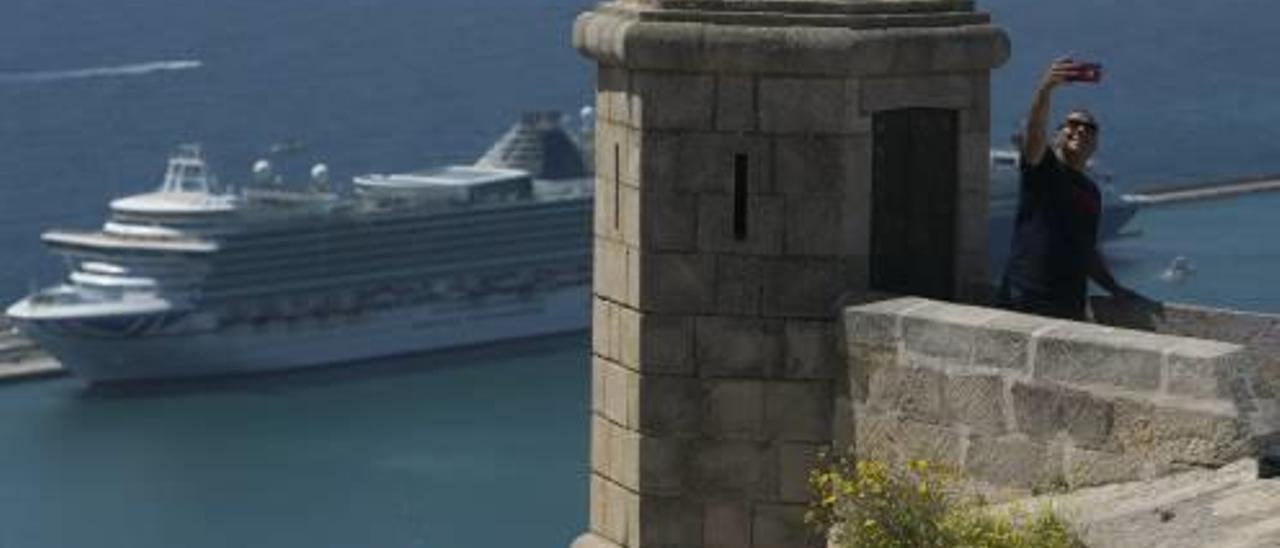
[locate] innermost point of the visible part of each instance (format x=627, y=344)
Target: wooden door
x=913, y=212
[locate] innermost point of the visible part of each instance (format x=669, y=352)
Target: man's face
x=1077, y=137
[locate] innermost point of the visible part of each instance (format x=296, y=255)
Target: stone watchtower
x=757, y=162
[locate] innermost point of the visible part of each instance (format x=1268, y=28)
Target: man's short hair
x=1083, y=113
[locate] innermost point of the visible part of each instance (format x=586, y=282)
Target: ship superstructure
x=197, y=278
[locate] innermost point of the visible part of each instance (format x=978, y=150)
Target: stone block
x=812, y=350
x=726, y=525
x=1165, y=435
x=815, y=226
x=782, y=526
x=795, y=461
x=1011, y=461
x=662, y=465
x=616, y=453
x=896, y=92
x=817, y=165
x=629, y=215
x=740, y=284
x=807, y=288
x=618, y=398
x=671, y=101
x=611, y=140
x=735, y=103
x=764, y=223
x=1088, y=354
x=1208, y=370
x=1200, y=438
x=704, y=163
x=1043, y=411
x=1004, y=341
x=607, y=222
x=738, y=469
x=631, y=257
x=663, y=521
x=738, y=347
x=977, y=118
x=911, y=52
x=610, y=504
x=864, y=360
x=676, y=283
x=669, y=406
x=734, y=410
x=610, y=270
x=612, y=88
x=974, y=163
x=592, y=540
x=642, y=464
x=655, y=343
x=976, y=401
x=806, y=105
x=943, y=336
x=1085, y=468
x=668, y=221
x=876, y=323
x=914, y=392
x=603, y=329
x=798, y=410
x=891, y=439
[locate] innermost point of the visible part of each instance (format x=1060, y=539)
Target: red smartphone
x=1086, y=72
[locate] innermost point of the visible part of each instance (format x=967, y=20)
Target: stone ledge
x=778, y=46
x=809, y=6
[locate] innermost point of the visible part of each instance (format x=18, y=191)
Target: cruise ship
x=198, y=278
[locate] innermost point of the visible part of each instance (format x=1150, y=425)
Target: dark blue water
x=480, y=448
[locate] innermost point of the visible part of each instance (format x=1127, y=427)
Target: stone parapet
x=1024, y=402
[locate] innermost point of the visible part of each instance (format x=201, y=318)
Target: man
x=1055, y=236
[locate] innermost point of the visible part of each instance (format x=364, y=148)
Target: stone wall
x=1028, y=402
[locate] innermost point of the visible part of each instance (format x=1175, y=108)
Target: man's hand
x=1057, y=73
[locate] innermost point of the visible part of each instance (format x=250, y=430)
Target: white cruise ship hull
x=304, y=343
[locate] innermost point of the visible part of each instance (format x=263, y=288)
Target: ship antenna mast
x=187, y=171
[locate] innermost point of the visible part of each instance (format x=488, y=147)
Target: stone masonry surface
x=732, y=218
x=1026, y=402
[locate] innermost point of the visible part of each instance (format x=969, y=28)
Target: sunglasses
x=1092, y=127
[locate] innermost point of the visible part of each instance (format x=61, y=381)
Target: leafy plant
x=870, y=504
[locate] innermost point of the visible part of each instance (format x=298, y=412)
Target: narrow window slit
x=617, y=188
x=740, y=196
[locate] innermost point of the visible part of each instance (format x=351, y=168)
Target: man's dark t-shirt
x=1054, y=237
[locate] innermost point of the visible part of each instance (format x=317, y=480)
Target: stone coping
x=1258, y=331
x=790, y=42
x=808, y=6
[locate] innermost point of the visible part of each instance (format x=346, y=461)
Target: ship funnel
x=539, y=144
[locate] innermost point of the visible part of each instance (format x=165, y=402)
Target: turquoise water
x=479, y=447
x=485, y=447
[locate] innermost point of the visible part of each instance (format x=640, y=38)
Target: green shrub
x=868, y=504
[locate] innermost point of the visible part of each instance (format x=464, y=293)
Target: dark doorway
x=913, y=205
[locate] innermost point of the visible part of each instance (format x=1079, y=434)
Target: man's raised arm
x=1034, y=137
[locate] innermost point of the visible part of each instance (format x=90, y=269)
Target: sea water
x=477, y=447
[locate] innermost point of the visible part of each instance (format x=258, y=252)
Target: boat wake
x=136, y=69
